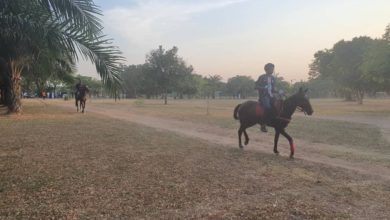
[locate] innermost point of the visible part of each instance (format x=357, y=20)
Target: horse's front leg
x=240, y=130
x=77, y=105
x=276, y=139
x=290, y=140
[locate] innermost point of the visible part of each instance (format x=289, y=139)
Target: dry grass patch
x=84, y=166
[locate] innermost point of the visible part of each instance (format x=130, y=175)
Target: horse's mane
x=288, y=106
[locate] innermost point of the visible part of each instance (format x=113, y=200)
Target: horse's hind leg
x=240, y=131
x=277, y=133
x=246, y=137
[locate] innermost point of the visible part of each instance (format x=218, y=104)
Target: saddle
x=277, y=107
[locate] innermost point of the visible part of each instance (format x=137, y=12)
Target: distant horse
x=81, y=97
x=251, y=112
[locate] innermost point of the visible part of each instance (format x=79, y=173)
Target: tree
x=376, y=65
x=386, y=35
x=320, y=67
x=134, y=82
x=343, y=64
x=59, y=30
x=281, y=84
x=241, y=86
x=213, y=84
x=167, y=68
x=187, y=86
x=200, y=83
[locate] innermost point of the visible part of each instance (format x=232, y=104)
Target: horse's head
x=302, y=101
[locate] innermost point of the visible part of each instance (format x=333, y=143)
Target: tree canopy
x=39, y=37
x=357, y=66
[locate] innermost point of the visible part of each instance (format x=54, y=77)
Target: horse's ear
x=306, y=90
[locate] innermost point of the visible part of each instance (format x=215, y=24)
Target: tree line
x=165, y=72
x=353, y=68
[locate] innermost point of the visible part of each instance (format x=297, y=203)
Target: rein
x=288, y=120
x=284, y=119
x=301, y=110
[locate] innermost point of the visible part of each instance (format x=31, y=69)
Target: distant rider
x=78, y=86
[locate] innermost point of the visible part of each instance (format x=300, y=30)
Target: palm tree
x=214, y=82
x=60, y=30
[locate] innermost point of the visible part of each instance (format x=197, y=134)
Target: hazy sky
x=231, y=37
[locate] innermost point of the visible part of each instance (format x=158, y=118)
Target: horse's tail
x=235, y=114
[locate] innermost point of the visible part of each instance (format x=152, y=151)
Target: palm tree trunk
x=14, y=88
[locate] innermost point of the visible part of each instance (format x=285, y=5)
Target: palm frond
x=61, y=29
x=82, y=13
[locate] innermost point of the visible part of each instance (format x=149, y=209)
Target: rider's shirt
x=265, y=85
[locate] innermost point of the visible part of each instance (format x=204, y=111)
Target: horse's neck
x=288, y=108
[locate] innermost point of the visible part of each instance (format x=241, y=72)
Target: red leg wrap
x=292, y=147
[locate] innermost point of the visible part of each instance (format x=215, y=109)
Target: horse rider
x=78, y=86
x=265, y=85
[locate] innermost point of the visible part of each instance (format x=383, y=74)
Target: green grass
x=356, y=135
x=380, y=107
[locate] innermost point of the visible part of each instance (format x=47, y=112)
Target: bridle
x=301, y=110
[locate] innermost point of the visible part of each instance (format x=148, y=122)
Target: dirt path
x=261, y=142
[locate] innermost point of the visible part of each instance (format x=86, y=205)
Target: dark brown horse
x=251, y=113
x=81, y=97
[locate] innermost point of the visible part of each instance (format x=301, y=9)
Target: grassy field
x=55, y=163
x=219, y=106
x=317, y=130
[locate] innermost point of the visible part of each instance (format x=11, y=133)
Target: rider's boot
x=263, y=128
x=263, y=123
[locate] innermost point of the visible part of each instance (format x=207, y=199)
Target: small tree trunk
x=360, y=95
x=207, y=107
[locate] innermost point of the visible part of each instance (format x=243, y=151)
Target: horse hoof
x=246, y=142
x=292, y=156
x=276, y=151
x=241, y=147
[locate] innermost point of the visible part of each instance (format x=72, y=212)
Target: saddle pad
x=259, y=110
